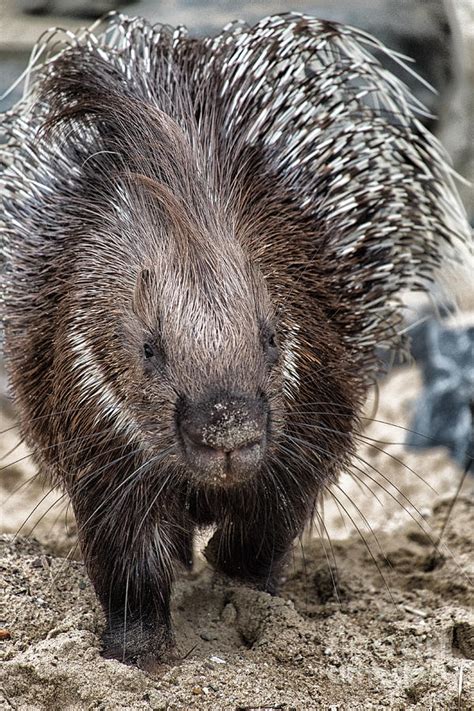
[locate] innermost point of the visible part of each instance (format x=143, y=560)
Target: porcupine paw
x=140, y=644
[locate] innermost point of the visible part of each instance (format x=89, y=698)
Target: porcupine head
x=196, y=286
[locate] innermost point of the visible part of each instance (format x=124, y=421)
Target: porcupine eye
x=271, y=346
x=154, y=358
x=148, y=351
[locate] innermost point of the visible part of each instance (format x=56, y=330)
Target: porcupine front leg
x=128, y=550
x=253, y=547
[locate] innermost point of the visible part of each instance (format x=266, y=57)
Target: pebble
x=229, y=614
x=217, y=660
x=207, y=636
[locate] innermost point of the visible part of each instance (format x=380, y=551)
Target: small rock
x=207, y=636
x=229, y=614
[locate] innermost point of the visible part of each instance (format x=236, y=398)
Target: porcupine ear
x=144, y=300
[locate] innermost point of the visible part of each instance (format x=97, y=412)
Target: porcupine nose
x=224, y=440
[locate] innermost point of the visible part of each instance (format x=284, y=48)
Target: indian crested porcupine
x=205, y=239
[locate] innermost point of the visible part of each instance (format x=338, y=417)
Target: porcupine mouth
x=223, y=444
x=222, y=468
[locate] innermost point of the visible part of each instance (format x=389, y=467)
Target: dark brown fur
x=151, y=226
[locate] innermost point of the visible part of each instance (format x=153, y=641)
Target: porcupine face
x=205, y=353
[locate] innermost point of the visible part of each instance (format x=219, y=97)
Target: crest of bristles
x=205, y=241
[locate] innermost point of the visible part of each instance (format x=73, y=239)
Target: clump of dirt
x=376, y=618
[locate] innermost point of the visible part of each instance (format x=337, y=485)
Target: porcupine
x=205, y=242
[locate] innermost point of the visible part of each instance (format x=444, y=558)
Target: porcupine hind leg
x=129, y=547
x=254, y=547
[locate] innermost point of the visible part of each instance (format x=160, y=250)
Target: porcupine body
x=205, y=239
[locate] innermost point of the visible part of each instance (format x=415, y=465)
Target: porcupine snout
x=223, y=438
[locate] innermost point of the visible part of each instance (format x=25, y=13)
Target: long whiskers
x=362, y=537
x=83, y=438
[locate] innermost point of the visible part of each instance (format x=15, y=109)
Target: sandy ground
x=398, y=633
